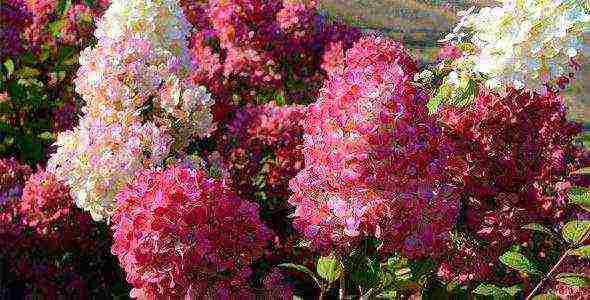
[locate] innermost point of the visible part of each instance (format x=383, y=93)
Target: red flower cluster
x=257, y=51
x=180, y=233
x=518, y=155
x=261, y=148
x=48, y=247
x=374, y=160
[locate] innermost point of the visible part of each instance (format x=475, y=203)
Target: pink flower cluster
x=374, y=160
x=517, y=158
x=261, y=148
x=179, y=233
x=255, y=51
x=44, y=201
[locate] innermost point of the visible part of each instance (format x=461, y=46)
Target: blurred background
x=421, y=23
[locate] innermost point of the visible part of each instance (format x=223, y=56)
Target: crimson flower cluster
x=48, y=247
x=252, y=51
x=261, y=148
x=178, y=233
x=374, y=160
x=518, y=154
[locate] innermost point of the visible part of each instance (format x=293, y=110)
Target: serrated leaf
x=580, y=195
x=574, y=232
x=302, y=269
x=537, y=227
x=546, y=297
x=575, y=280
x=519, y=262
x=486, y=289
x=329, y=268
x=583, y=252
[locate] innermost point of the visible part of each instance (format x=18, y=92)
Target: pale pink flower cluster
x=140, y=104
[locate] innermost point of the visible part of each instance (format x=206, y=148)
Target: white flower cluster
x=140, y=102
x=522, y=43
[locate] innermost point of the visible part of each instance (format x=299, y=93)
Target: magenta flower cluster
x=252, y=51
x=178, y=232
x=374, y=159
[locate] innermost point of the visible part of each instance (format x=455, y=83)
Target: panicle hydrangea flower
x=261, y=148
x=374, y=159
x=178, y=232
x=44, y=200
x=517, y=159
x=256, y=51
x=140, y=104
x=523, y=43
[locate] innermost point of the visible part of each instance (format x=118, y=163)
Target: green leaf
x=519, y=262
x=302, y=269
x=64, y=6
x=574, y=280
x=580, y=195
x=583, y=252
x=574, y=232
x=329, y=268
x=46, y=136
x=486, y=289
x=537, y=227
x=434, y=103
x=55, y=28
x=513, y=290
x=546, y=297
x=9, y=64
x=365, y=272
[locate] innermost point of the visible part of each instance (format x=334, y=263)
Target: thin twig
x=561, y=259
x=547, y=276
